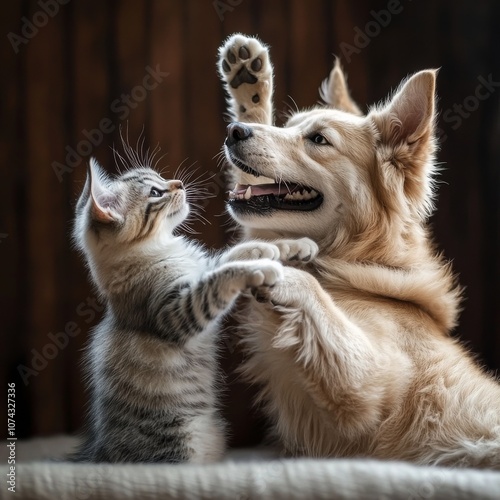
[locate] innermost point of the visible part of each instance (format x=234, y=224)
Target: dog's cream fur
x=355, y=357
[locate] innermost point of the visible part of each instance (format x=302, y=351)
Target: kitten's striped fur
x=151, y=361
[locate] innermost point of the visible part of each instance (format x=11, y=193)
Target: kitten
x=152, y=360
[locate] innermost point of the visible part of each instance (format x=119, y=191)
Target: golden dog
x=353, y=353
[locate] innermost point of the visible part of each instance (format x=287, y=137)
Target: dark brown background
x=64, y=80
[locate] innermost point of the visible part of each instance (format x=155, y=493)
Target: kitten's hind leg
x=247, y=74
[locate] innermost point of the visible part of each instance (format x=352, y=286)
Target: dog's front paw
x=244, y=59
x=301, y=250
x=253, y=250
x=294, y=289
x=245, y=68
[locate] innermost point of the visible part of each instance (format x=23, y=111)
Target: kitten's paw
x=247, y=72
x=264, y=275
x=301, y=250
x=253, y=250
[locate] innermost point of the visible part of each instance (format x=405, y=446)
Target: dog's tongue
x=262, y=189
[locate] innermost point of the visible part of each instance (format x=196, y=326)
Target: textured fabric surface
x=248, y=475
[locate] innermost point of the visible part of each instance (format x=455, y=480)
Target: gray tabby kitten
x=152, y=360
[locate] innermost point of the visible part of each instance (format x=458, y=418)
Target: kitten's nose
x=174, y=185
x=237, y=132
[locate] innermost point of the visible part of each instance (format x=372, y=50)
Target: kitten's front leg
x=247, y=74
x=188, y=308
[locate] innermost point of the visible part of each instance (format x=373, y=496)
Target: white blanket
x=251, y=474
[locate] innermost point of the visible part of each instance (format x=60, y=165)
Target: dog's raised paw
x=247, y=73
x=246, y=70
x=244, y=59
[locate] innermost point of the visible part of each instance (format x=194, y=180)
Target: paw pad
x=256, y=64
x=243, y=76
x=243, y=53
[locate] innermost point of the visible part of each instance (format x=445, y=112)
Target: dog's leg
x=247, y=74
x=301, y=250
x=347, y=375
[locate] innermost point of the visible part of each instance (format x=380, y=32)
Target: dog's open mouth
x=279, y=195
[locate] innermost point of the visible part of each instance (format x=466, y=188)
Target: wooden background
x=66, y=79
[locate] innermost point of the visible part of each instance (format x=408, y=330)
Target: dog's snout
x=237, y=132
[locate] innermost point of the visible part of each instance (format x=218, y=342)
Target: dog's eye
x=155, y=193
x=319, y=139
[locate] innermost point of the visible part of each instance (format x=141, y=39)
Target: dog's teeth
x=248, y=193
x=302, y=195
x=236, y=187
x=240, y=196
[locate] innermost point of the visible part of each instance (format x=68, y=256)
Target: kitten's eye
x=155, y=193
x=319, y=139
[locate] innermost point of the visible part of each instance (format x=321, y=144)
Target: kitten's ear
x=105, y=206
x=409, y=115
x=335, y=93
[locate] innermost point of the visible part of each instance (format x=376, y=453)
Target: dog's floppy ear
x=335, y=93
x=409, y=115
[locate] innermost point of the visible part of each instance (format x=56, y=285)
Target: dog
x=353, y=354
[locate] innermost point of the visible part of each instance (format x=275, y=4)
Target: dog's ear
x=335, y=93
x=409, y=116
x=405, y=125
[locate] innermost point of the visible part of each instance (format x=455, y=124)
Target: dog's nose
x=237, y=132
